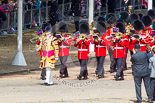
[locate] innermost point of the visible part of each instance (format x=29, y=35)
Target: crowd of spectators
x=9, y=6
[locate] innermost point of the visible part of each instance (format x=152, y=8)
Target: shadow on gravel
x=135, y=101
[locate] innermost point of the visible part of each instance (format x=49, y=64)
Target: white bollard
x=19, y=59
x=150, y=4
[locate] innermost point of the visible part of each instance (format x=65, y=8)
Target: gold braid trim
x=48, y=59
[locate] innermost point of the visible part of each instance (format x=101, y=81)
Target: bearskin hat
x=147, y=20
x=124, y=16
x=140, y=16
x=120, y=21
x=63, y=27
x=101, y=27
x=151, y=13
x=111, y=18
x=138, y=25
x=84, y=28
x=100, y=18
x=153, y=25
x=121, y=27
x=133, y=17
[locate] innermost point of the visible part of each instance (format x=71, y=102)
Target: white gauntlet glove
x=37, y=48
x=56, y=58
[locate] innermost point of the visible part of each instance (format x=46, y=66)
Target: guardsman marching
x=111, y=20
x=49, y=47
x=100, y=47
x=64, y=44
x=119, y=51
x=83, y=49
x=133, y=17
x=147, y=21
x=125, y=17
x=140, y=38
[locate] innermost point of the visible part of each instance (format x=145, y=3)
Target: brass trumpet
x=117, y=35
x=147, y=34
x=82, y=37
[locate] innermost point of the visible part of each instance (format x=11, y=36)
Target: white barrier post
x=91, y=11
x=91, y=19
x=19, y=59
x=150, y=4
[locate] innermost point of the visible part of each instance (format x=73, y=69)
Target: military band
x=112, y=35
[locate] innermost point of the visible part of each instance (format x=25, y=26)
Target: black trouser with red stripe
x=112, y=66
x=63, y=68
x=83, y=64
x=125, y=63
x=119, y=64
x=100, y=68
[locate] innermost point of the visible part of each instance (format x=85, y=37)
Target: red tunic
x=100, y=47
x=143, y=42
x=149, y=31
x=83, y=49
x=109, y=38
x=40, y=52
x=119, y=50
x=64, y=46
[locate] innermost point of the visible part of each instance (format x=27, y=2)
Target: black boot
x=79, y=77
x=116, y=78
x=66, y=73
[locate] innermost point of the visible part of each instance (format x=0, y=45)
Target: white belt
x=63, y=46
x=118, y=47
x=82, y=49
x=100, y=46
x=142, y=44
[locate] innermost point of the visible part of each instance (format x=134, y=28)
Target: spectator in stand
x=29, y=4
x=37, y=5
x=2, y=15
x=76, y=12
x=111, y=6
x=3, y=10
x=5, y=5
x=126, y=4
x=12, y=8
x=53, y=15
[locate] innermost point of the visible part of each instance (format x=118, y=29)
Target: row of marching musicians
x=117, y=37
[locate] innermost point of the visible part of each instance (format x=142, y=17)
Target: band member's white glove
x=37, y=48
x=132, y=38
x=117, y=37
x=56, y=58
x=99, y=39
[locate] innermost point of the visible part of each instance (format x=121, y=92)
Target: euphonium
x=119, y=35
